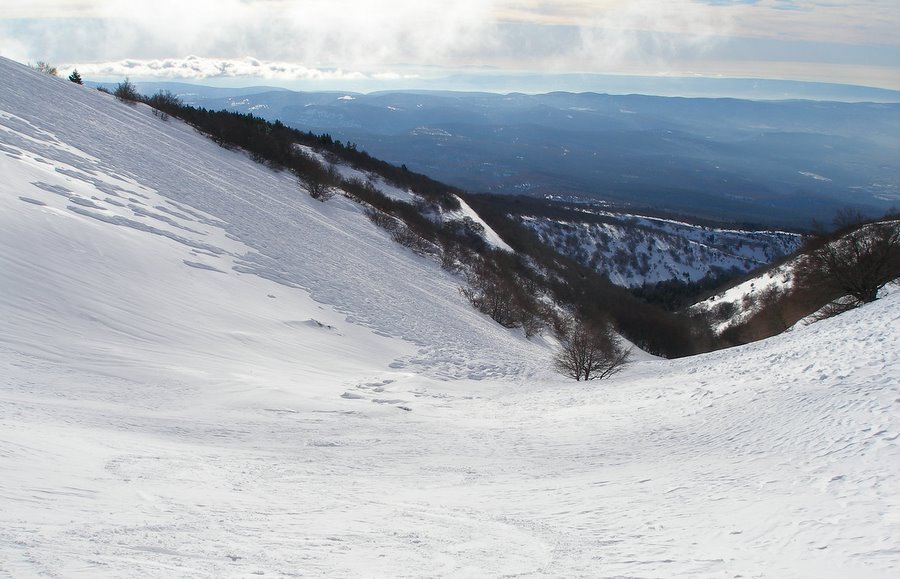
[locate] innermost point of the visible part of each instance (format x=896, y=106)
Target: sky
x=379, y=44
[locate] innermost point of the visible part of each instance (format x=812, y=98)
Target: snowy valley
x=204, y=372
x=633, y=250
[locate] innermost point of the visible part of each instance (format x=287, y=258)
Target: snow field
x=205, y=373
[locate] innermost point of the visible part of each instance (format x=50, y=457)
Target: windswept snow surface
x=205, y=373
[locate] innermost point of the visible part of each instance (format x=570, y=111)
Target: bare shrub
x=409, y=238
x=857, y=264
x=452, y=256
x=748, y=302
x=590, y=352
x=164, y=103
x=724, y=311
x=126, y=92
x=509, y=299
x=45, y=67
x=401, y=233
x=320, y=180
x=848, y=218
x=382, y=219
x=488, y=292
x=834, y=308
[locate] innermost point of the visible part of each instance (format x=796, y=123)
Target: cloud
x=363, y=34
x=199, y=68
x=848, y=21
x=355, y=33
x=652, y=33
x=376, y=37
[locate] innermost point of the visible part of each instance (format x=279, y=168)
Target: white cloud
x=198, y=68
x=374, y=38
x=351, y=33
x=649, y=32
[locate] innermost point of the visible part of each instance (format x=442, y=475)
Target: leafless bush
x=452, y=257
x=45, y=67
x=487, y=291
x=321, y=181
x=748, y=302
x=409, y=238
x=590, y=352
x=723, y=311
x=126, y=92
x=857, y=264
x=382, y=220
x=506, y=297
x=401, y=233
x=164, y=103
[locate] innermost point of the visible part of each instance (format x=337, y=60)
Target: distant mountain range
x=774, y=163
x=690, y=87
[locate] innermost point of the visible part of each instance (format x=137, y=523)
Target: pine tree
x=75, y=77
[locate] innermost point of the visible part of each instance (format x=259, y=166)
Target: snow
x=492, y=238
x=632, y=250
x=349, y=173
x=465, y=211
x=746, y=298
x=205, y=373
x=743, y=296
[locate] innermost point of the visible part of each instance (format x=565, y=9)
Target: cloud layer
x=336, y=39
x=199, y=68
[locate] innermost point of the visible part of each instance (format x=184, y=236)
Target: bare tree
x=508, y=298
x=848, y=218
x=490, y=292
x=857, y=264
x=46, y=68
x=590, y=352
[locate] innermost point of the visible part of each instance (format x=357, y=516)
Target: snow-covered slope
x=98, y=162
x=205, y=373
x=739, y=302
x=752, y=297
x=633, y=250
x=464, y=214
x=491, y=237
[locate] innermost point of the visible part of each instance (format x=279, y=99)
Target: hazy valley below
x=773, y=163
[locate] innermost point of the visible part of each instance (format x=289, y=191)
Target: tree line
x=516, y=289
